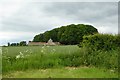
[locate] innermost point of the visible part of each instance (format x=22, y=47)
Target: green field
x=57, y=62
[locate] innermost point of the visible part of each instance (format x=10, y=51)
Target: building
x=50, y=42
x=36, y=43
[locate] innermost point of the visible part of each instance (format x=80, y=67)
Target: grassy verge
x=65, y=72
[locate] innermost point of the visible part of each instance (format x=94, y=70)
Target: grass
x=23, y=61
x=65, y=72
x=31, y=50
x=36, y=57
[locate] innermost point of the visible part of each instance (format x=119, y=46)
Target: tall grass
x=36, y=57
x=42, y=57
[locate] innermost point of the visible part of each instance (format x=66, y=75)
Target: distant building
x=50, y=42
x=36, y=43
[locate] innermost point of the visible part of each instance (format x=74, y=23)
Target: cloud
x=15, y=37
x=28, y=18
x=103, y=15
x=103, y=12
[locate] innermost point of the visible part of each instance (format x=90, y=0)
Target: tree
x=8, y=44
x=13, y=44
x=17, y=44
x=23, y=43
x=69, y=34
x=36, y=38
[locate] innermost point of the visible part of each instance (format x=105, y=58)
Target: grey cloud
x=23, y=26
x=103, y=14
x=26, y=19
x=41, y=16
x=85, y=11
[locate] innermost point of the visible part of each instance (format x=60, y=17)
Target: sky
x=23, y=19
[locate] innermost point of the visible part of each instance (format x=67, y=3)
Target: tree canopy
x=22, y=43
x=69, y=35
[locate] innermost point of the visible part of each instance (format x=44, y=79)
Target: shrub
x=101, y=50
x=101, y=42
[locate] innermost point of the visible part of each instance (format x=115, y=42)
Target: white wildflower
x=18, y=56
x=26, y=51
x=21, y=53
x=111, y=70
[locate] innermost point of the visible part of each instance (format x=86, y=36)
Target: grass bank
x=65, y=72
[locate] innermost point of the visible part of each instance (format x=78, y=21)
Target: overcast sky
x=23, y=19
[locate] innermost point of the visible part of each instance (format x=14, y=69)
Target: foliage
x=101, y=50
x=13, y=44
x=8, y=44
x=70, y=34
x=101, y=42
x=23, y=43
x=105, y=59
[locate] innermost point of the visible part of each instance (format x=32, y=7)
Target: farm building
x=36, y=43
x=50, y=42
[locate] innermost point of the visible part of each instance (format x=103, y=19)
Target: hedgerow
x=101, y=50
x=101, y=42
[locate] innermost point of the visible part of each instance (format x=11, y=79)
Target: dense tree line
x=22, y=43
x=70, y=34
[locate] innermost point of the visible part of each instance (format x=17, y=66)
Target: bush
x=101, y=50
x=101, y=42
